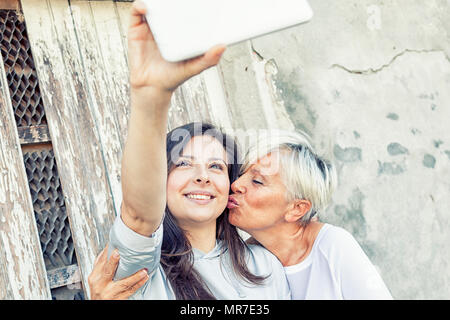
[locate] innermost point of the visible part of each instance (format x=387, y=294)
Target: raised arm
x=152, y=83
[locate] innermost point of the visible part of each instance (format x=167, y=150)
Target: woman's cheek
x=170, y=193
x=176, y=181
x=171, y=183
x=257, y=198
x=223, y=188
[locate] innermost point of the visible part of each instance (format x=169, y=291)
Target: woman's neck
x=202, y=237
x=290, y=243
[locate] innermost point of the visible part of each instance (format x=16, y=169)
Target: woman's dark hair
x=177, y=258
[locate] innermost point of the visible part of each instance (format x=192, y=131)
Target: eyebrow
x=256, y=171
x=210, y=159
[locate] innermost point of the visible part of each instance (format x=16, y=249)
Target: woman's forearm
x=144, y=163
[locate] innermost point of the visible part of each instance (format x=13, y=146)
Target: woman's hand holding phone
x=148, y=68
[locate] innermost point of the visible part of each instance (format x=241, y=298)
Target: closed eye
x=257, y=182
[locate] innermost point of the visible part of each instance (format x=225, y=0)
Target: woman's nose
x=202, y=180
x=201, y=177
x=238, y=186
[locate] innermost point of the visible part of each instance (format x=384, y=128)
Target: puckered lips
x=200, y=197
x=232, y=203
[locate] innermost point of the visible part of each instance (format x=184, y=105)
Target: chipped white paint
x=123, y=13
x=101, y=201
x=24, y=280
x=3, y=189
x=11, y=273
x=282, y=117
x=259, y=67
x=196, y=99
x=113, y=59
x=23, y=274
x=77, y=120
x=272, y=107
x=98, y=171
x=106, y=74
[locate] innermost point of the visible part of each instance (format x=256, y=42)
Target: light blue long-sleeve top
x=137, y=252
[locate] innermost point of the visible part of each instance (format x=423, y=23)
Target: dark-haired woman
x=173, y=219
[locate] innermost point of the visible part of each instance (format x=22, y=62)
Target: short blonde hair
x=305, y=174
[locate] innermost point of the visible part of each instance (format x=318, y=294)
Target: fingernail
x=145, y=272
x=116, y=253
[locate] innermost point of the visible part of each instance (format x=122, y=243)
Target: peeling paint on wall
x=296, y=103
x=347, y=154
x=437, y=143
x=390, y=168
x=392, y=116
x=415, y=131
x=396, y=149
x=352, y=214
x=429, y=161
x=447, y=152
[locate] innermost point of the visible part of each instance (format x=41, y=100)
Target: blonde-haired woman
x=283, y=187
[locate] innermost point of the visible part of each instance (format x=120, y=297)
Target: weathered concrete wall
x=370, y=82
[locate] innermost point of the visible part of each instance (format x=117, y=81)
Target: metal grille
x=49, y=208
x=20, y=71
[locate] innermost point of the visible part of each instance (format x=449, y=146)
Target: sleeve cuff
x=135, y=241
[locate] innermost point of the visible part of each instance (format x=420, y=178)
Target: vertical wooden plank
x=123, y=13
x=105, y=72
x=197, y=99
x=73, y=127
x=192, y=101
x=22, y=268
x=178, y=113
x=114, y=54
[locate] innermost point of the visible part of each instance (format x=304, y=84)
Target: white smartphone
x=185, y=29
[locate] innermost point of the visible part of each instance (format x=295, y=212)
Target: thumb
x=213, y=55
x=209, y=59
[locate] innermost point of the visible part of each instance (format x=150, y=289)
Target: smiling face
x=198, y=185
x=259, y=199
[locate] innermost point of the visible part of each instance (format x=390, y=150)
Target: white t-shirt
x=336, y=268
